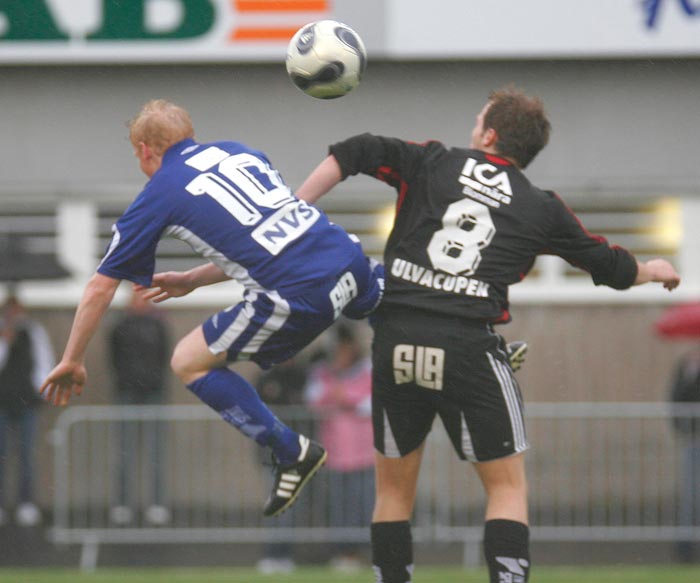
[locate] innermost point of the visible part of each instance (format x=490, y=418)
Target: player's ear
x=490, y=137
x=146, y=151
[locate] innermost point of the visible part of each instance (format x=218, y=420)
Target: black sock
x=507, y=551
x=392, y=551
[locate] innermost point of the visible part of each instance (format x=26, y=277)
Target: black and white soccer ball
x=326, y=59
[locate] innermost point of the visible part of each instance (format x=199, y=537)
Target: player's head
x=158, y=125
x=513, y=125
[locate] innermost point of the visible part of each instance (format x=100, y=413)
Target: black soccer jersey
x=469, y=224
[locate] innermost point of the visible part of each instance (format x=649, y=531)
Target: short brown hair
x=520, y=123
x=160, y=124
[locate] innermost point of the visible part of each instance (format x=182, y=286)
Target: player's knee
x=177, y=364
x=182, y=365
x=506, y=487
x=395, y=498
x=392, y=505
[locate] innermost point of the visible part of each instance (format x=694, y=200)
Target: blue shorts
x=268, y=328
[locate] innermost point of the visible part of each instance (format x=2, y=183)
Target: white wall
x=622, y=128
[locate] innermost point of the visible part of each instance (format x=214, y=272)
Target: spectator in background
x=139, y=347
x=340, y=390
x=685, y=388
x=26, y=357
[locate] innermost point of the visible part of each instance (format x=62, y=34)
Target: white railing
x=597, y=472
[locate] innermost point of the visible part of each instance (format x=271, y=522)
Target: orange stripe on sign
x=281, y=5
x=263, y=34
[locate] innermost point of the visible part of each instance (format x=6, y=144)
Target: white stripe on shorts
x=510, y=394
x=467, y=445
x=280, y=314
x=236, y=328
x=390, y=447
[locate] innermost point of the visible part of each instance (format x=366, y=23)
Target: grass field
x=656, y=574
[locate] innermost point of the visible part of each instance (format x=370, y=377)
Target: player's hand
x=169, y=284
x=663, y=272
x=64, y=380
x=516, y=351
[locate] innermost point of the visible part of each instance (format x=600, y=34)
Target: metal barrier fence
x=597, y=472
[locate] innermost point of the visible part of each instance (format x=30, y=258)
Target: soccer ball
x=326, y=59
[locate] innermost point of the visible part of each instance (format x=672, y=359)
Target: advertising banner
x=145, y=31
x=517, y=29
x=148, y=31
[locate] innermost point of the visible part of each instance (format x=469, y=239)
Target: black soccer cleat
x=516, y=354
x=290, y=480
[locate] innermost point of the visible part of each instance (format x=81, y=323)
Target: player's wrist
x=71, y=361
x=191, y=279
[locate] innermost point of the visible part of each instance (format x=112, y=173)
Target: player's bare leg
x=296, y=457
x=192, y=358
x=505, y=484
x=392, y=546
x=396, y=483
x=506, y=532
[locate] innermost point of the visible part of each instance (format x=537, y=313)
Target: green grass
x=654, y=574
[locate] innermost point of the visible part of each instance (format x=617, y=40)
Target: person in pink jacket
x=340, y=391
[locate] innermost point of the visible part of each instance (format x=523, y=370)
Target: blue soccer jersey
x=231, y=206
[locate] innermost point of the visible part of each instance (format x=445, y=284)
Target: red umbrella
x=681, y=321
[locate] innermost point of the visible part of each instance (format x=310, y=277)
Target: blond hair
x=160, y=124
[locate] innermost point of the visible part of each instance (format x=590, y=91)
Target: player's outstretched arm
x=324, y=177
x=175, y=284
x=657, y=270
x=69, y=376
